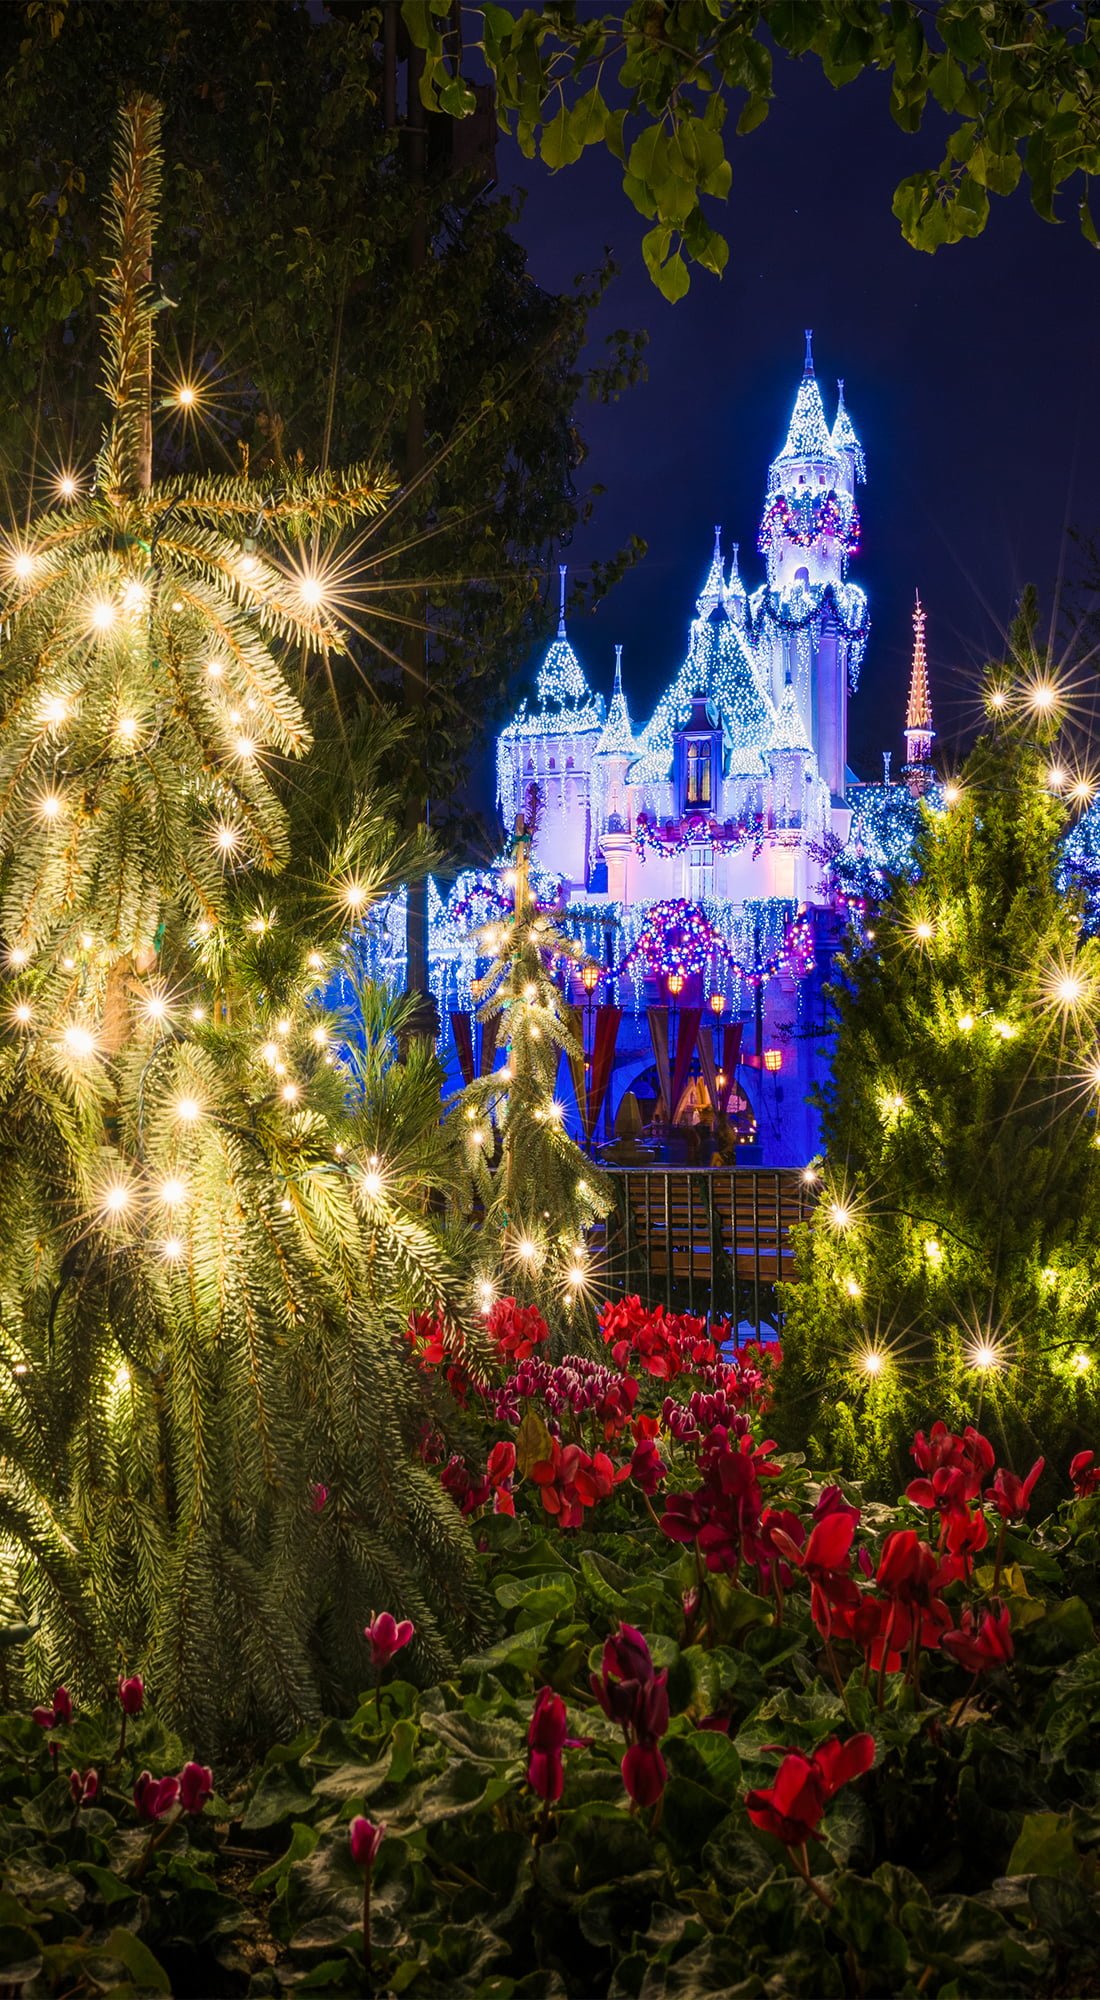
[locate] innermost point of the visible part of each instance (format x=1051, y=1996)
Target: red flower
x=318, y=1497
x=546, y=1737
x=972, y=1455
x=1010, y=1495
x=499, y=1472
x=467, y=1492
x=1084, y=1474
x=364, y=1841
x=385, y=1637
x=647, y=1468
x=792, y=1809
x=153, y=1797
x=831, y=1500
x=516, y=1330
x=645, y=1773
x=825, y=1561
x=84, y=1786
x=569, y=1481
x=196, y=1787
x=908, y=1568
x=59, y=1713
x=131, y=1693
x=966, y=1535
x=982, y=1645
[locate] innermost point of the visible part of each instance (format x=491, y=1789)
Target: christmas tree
x=209, y=1250
x=539, y=1193
x=952, y=1264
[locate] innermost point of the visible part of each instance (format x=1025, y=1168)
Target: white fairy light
x=172, y=1192
x=51, y=806
x=290, y=1093
x=78, y=1041
x=22, y=1014
x=103, y=614
x=172, y=1249
x=187, y=1110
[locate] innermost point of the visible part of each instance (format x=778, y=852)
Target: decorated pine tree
x=952, y=1265
x=215, y=1215
x=539, y=1193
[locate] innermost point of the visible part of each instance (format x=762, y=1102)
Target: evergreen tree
x=539, y=1193
x=211, y=1238
x=952, y=1265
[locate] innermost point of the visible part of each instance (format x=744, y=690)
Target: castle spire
x=735, y=589
x=918, y=715
x=713, y=589
x=808, y=433
x=844, y=437
x=561, y=680
x=618, y=735
x=563, y=571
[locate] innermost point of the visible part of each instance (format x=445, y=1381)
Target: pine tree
x=539, y=1193
x=952, y=1266
x=215, y=1222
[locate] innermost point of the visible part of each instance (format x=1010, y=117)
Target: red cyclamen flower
x=1084, y=1474
x=196, y=1787
x=647, y=1468
x=1010, y=1495
x=983, y=1643
x=154, y=1797
x=364, y=1841
x=500, y=1472
x=546, y=1738
x=131, y=1693
x=385, y=1637
x=84, y=1786
x=792, y=1808
x=516, y=1330
x=59, y=1713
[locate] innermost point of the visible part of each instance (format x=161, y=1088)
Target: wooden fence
x=706, y=1239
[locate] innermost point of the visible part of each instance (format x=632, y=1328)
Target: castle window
x=802, y=576
x=697, y=773
x=700, y=873
x=569, y=763
x=553, y=764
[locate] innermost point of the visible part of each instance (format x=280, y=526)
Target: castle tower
x=919, y=733
x=551, y=751
x=809, y=532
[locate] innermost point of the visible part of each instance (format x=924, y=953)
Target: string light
x=966, y=1022
x=172, y=1192
x=839, y=1215
x=372, y=1182
x=55, y=711
x=872, y=1361
x=311, y=589
x=22, y=564
x=66, y=486
x=1081, y=1362
x=188, y=1109
x=21, y=1014
x=186, y=396
x=244, y=748
x=51, y=806
x=853, y=1288
x=933, y=1250
x=172, y=1249
x=315, y=962
x=116, y=1198
x=18, y=956
x=354, y=895
x=78, y=1041
x=103, y=614
x=1042, y=697
x=226, y=837
x=127, y=728
x=290, y=1093
x=983, y=1355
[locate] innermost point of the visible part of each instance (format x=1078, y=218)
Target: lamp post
x=675, y=984
x=590, y=979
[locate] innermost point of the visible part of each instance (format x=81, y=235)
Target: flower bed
x=733, y=1731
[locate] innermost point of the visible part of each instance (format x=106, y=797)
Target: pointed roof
x=918, y=714
x=561, y=679
x=713, y=589
x=618, y=736
x=808, y=433
x=790, y=730
x=844, y=436
x=735, y=589
x=720, y=667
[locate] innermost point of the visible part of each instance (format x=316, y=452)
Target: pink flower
x=546, y=1738
x=58, y=1714
x=318, y=1497
x=153, y=1797
x=647, y=1467
x=84, y=1786
x=196, y=1787
x=500, y=1472
x=131, y=1693
x=1010, y=1495
x=386, y=1637
x=364, y=1840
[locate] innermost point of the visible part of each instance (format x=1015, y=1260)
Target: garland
x=805, y=517
x=723, y=840
x=678, y=938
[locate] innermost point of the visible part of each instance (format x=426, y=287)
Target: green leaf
x=303, y=1840
x=145, y=1970
x=1044, y=1846
x=560, y=146
x=672, y=278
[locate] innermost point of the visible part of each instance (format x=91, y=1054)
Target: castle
x=708, y=858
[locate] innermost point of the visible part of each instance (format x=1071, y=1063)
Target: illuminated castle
x=708, y=859
x=728, y=793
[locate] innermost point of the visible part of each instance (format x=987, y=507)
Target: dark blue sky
x=970, y=376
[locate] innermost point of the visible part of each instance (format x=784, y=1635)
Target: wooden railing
x=713, y=1239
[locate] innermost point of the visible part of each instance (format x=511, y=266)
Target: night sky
x=970, y=376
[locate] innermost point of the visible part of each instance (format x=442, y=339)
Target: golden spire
x=918, y=715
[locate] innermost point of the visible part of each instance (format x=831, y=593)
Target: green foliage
x=956, y=1245
x=207, y=1253
x=287, y=296
x=1019, y=84
x=538, y=1192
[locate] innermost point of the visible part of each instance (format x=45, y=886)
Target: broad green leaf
x=1044, y=1846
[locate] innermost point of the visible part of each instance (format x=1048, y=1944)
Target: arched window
x=802, y=576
